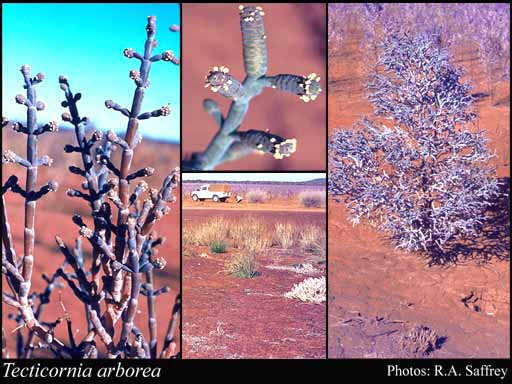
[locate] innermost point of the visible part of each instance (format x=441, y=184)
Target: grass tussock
x=312, y=239
x=284, y=235
x=250, y=234
x=204, y=234
x=243, y=264
x=218, y=247
x=312, y=199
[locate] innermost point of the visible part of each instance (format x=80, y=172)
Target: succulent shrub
x=417, y=170
x=229, y=142
x=257, y=196
x=120, y=232
x=312, y=199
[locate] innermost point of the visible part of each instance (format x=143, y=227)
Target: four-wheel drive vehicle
x=216, y=192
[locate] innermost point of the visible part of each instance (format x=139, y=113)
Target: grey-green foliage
x=229, y=143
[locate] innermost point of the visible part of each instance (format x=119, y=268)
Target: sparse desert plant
x=303, y=269
x=257, y=196
x=243, y=264
x=312, y=199
x=284, y=235
x=312, y=239
x=250, y=233
x=214, y=230
x=257, y=242
x=420, y=341
x=188, y=235
x=311, y=290
x=123, y=251
x=426, y=179
x=229, y=143
x=218, y=246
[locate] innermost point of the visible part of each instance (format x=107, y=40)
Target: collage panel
x=419, y=176
x=254, y=265
x=252, y=87
x=90, y=184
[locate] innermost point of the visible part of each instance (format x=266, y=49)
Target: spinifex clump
x=426, y=178
x=123, y=250
x=229, y=143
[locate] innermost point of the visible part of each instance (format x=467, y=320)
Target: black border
x=344, y=368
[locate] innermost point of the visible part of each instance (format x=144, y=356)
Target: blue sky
x=284, y=177
x=85, y=42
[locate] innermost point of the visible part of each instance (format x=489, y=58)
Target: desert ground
x=211, y=37
x=225, y=316
x=376, y=294
x=54, y=213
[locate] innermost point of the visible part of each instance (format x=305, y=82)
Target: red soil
x=368, y=279
x=231, y=205
x=54, y=213
x=296, y=45
x=377, y=293
x=228, y=317
x=271, y=216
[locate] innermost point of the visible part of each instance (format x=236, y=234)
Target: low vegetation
x=257, y=196
x=204, y=234
x=249, y=233
x=218, y=247
x=284, y=235
x=312, y=239
x=243, y=264
x=312, y=199
x=311, y=290
x=421, y=341
x=249, y=237
x=253, y=234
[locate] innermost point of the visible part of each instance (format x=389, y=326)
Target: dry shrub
x=187, y=252
x=284, y=234
x=243, y=265
x=311, y=290
x=188, y=236
x=257, y=196
x=312, y=199
x=303, y=269
x=421, y=341
x=312, y=239
x=211, y=231
x=250, y=234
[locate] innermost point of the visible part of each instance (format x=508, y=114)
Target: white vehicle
x=215, y=192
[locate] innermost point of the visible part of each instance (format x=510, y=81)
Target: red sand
x=229, y=317
x=375, y=292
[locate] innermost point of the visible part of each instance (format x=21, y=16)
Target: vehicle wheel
x=215, y=198
x=195, y=198
x=223, y=200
